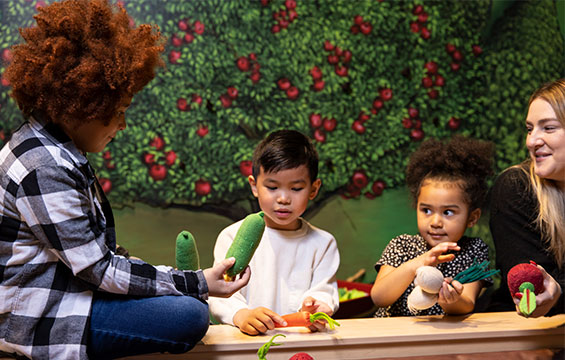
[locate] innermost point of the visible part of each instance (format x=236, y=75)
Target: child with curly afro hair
x=448, y=183
x=65, y=292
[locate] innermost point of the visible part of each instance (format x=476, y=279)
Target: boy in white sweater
x=294, y=266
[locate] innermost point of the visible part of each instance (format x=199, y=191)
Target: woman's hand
x=546, y=299
x=217, y=286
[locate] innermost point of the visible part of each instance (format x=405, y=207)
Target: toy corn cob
x=245, y=243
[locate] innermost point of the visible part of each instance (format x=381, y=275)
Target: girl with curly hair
x=527, y=208
x=65, y=293
x=447, y=181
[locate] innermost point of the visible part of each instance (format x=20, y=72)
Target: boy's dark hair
x=469, y=161
x=285, y=149
x=81, y=60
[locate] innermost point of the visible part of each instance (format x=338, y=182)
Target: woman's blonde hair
x=551, y=197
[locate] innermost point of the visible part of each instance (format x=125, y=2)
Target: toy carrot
x=304, y=318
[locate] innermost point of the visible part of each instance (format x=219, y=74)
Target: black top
x=517, y=239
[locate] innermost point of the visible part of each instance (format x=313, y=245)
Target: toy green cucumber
x=186, y=253
x=245, y=243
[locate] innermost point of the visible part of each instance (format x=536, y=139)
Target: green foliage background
x=488, y=93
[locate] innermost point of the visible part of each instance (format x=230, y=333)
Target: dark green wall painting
x=366, y=80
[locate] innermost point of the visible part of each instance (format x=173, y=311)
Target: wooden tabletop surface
x=372, y=338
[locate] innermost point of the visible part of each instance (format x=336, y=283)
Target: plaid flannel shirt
x=57, y=244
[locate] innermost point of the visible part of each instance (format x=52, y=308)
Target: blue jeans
x=125, y=326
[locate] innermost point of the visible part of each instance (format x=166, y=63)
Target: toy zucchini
x=186, y=253
x=245, y=243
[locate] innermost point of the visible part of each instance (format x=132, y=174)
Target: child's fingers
x=446, y=258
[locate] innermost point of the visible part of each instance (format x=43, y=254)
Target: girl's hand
x=435, y=255
x=217, y=286
x=545, y=300
x=450, y=291
x=313, y=306
x=256, y=321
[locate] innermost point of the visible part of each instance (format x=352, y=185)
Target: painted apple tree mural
x=366, y=80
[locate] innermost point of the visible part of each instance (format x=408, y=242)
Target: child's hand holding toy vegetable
x=312, y=306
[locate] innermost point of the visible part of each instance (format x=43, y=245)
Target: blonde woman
x=528, y=204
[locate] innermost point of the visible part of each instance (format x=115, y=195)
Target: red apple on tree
x=416, y=134
x=426, y=34
x=417, y=10
x=431, y=66
x=365, y=28
x=427, y=82
x=174, y=56
x=319, y=85
x=315, y=120
x=246, y=168
x=454, y=123
x=455, y=66
x=346, y=57
x=284, y=84
x=242, y=63
x=197, y=99
x=106, y=185
x=413, y=112
x=182, y=104
x=333, y=59
x=363, y=117
x=359, y=179
x=176, y=41
x=7, y=55
x=290, y=4
x=378, y=187
x=328, y=46
x=341, y=71
x=107, y=155
x=183, y=25
x=440, y=80
x=407, y=123
x=316, y=73
x=148, y=159
x=433, y=94
x=158, y=143
x=232, y=92
x=330, y=124
x=386, y=94
x=202, y=187
x=188, y=38
x=198, y=27
x=158, y=172
x=292, y=93
x=358, y=19
x=202, y=131
x=423, y=17
x=450, y=48
x=225, y=100
x=415, y=27
x=477, y=50
x=170, y=157
x=378, y=103
x=358, y=127
x=319, y=135
x=255, y=77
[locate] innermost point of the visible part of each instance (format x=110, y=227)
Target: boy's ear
x=316, y=185
x=474, y=216
x=253, y=185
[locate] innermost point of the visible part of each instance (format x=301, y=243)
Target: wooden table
x=372, y=338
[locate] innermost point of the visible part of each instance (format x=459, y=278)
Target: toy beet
x=301, y=356
x=525, y=281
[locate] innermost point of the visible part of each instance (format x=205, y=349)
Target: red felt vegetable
x=304, y=318
x=301, y=356
x=524, y=282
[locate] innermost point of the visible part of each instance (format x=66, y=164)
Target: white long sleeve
x=287, y=267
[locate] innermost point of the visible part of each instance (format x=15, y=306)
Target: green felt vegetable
x=263, y=350
x=245, y=243
x=186, y=253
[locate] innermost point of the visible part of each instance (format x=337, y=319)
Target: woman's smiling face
x=546, y=141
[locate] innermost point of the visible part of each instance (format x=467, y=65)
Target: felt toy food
x=304, y=318
x=263, y=350
x=525, y=281
x=186, y=253
x=428, y=282
x=245, y=243
x=301, y=356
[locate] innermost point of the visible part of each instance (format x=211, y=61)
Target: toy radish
x=525, y=281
